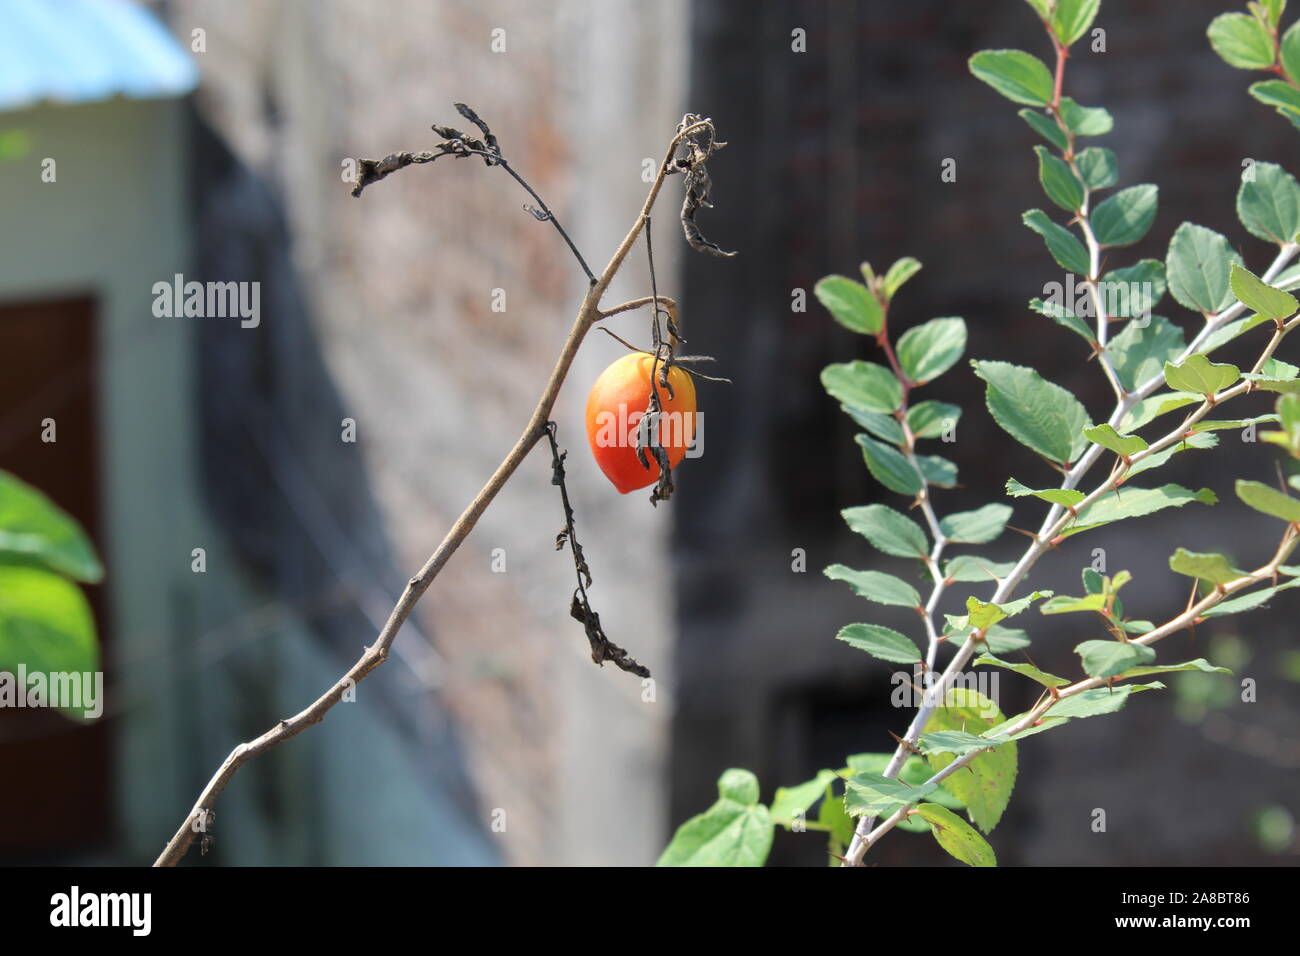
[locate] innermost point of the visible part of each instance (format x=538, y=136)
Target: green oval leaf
x=1135, y=503
x=1197, y=268
x=1061, y=243
x=1125, y=217
x=1046, y=127
x=1085, y=120
x=1058, y=181
x=1098, y=167
x=984, y=614
x=930, y=349
x=974, y=569
x=1028, y=670
x=1289, y=52
x=35, y=530
x=1098, y=700
x=889, y=467
x=937, y=471
x=851, y=304
x=1200, y=664
x=1017, y=75
x=898, y=273
x=1063, y=604
x=863, y=385
x=1260, y=297
x=932, y=419
x=1035, y=412
x=1268, y=202
x=1140, y=351
x=1214, y=568
x=1272, y=9
x=957, y=836
x=1123, y=445
x=1268, y=500
x=1241, y=41
x=1198, y=374
x=976, y=527
x=1279, y=94
x=888, y=530
x=955, y=742
x=45, y=623
x=1102, y=659
x=876, y=795
x=884, y=427
x=876, y=586
x=880, y=642
x=1065, y=497
x=1248, y=602
x=1072, y=18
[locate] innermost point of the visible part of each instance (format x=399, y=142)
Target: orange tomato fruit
x=617, y=403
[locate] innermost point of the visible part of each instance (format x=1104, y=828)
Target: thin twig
x=455, y=143
x=660, y=365
x=602, y=648
x=665, y=304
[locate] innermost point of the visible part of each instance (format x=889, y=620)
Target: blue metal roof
x=78, y=51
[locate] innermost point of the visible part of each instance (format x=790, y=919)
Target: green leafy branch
x=879, y=400
x=917, y=787
x=1071, y=179
x=1203, y=276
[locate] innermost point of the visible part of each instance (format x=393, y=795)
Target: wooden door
x=55, y=792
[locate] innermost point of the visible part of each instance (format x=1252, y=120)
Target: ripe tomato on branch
x=615, y=407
